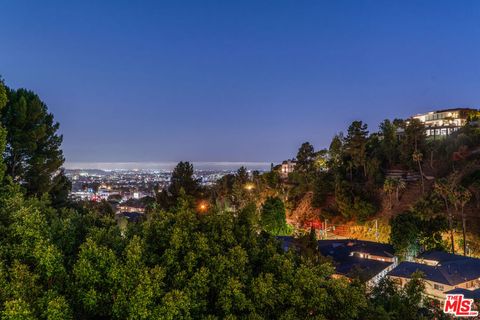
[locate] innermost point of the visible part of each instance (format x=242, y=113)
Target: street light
x=249, y=186
x=202, y=206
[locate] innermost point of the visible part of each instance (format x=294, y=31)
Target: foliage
x=323, y=186
x=182, y=181
x=355, y=146
x=272, y=216
x=176, y=264
x=32, y=155
x=411, y=233
x=389, y=301
x=305, y=158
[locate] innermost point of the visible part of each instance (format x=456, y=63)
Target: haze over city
x=216, y=159
x=241, y=81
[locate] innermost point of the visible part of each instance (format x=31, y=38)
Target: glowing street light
x=249, y=186
x=202, y=206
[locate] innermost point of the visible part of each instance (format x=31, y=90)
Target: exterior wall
x=443, y=123
x=432, y=289
x=374, y=257
x=437, y=290
x=286, y=168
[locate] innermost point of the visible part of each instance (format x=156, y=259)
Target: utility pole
x=326, y=230
x=376, y=229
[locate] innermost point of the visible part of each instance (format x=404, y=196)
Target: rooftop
x=344, y=254
x=451, y=269
x=469, y=294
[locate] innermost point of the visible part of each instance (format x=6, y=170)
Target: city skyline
x=235, y=82
x=166, y=166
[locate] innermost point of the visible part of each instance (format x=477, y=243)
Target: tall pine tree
x=32, y=155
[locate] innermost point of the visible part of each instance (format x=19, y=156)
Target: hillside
x=364, y=181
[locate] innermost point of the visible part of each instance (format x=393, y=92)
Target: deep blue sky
x=235, y=80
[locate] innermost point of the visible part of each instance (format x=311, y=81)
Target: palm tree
x=399, y=184
x=462, y=196
x=417, y=157
x=444, y=189
x=388, y=187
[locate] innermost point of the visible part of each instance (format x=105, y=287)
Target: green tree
x=388, y=188
x=322, y=187
x=273, y=218
x=411, y=233
x=390, y=301
x=418, y=158
x=93, y=279
x=445, y=189
x=461, y=196
x=305, y=158
x=398, y=185
x=32, y=155
x=413, y=140
x=17, y=310
x=182, y=179
x=389, y=142
x=3, y=131
x=335, y=151
x=355, y=145
x=243, y=189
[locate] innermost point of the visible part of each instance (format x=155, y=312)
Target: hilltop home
x=443, y=273
x=287, y=167
x=444, y=122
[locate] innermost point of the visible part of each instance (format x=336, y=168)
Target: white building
x=444, y=122
x=287, y=167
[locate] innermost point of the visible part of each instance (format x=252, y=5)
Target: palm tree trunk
x=431, y=159
x=421, y=176
x=464, y=231
x=452, y=239
x=450, y=225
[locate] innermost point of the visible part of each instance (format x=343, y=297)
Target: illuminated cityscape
x=239, y=160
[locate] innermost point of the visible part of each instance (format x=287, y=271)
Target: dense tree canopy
x=32, y=155
x=272, y=216
x=175, y=265
x=64, y=261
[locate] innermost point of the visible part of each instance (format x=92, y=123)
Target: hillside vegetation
x=361, y=178
x=206, y=253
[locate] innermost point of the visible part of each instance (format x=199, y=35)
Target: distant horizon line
x=166, y=165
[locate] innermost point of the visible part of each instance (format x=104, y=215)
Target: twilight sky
x=235, y=80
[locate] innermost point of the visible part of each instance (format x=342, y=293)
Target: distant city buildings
x=120, y=186
x=444, y=122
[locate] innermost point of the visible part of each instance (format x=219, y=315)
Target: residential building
x=468, y=294
x=443, y=272
x=444, y=122
x=370, y=261
x=287, y=167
